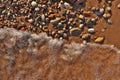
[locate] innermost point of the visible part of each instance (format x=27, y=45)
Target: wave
x=46, y=57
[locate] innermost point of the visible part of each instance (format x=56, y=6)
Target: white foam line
x=37, y=39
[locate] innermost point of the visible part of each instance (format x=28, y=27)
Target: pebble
x=99, y=40
x=87, y=13
x=37, y=9
x=81, y=17
x=51, y=16
x=109, y=3
x=60, y=24
x=65, y=36
x=38, y=19
x=93, y=20
x=118, y=6
x=54, y=22
x=103, y=30
x=93, y=9
x=34, y=4
x=106, y=15
x=91, y=30
x=86, y=37
x=81, y=26
x=43, y=17
x=109, y=21
x=31, y=21
x=99, y=12
x=102, y=10
x=47, y=20
x=75, y=32
x=44, y=6
x=108, y=9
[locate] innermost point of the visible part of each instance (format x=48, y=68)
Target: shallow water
x=27, y=56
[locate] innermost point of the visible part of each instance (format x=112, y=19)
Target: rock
x=47, y=20
x=54, y=22
x=43, y=17
x=100, y=11
x=43, y=23
x=87, y=13
x=60, y=25
x=93, y=20
x=75, y=32
x=51, y=16
x=66, y=4
x=71, y=19
x=106, y=15
x=108, y=9
x=99, y=40
x=72, y=14
x=63, y=21
x=37, y=9
x=81, y=17
x=31, y=21
x=38, y=19
x=86, y=37
x=91, y=30
x=34, y=4
x=68, y=12
x=109, y=21
x=93, y=8
x=58, y=18
x=118, y=6
x=109, y=3
x=65, y=36
x=81, y=26
x=44, y=6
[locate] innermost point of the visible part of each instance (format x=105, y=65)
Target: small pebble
x=106, y=15
x=75, y=32
x=118, y=6
x=34, y=4
x=99, y=40
x=109, y=21
x=91, y=30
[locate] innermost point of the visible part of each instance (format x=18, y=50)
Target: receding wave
x=27, y=56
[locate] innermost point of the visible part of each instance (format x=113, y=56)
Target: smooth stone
x=81, y=26
x=91, y=30
x=54, y=22
x=75, y=32
x=43, y=17
x=34, y=4
x=99, y=40
x=37, y=9
x=30, y=20
x=109, y=21
x=118, y=6
x=106, y=15
x=51, y=16
x=86, y=37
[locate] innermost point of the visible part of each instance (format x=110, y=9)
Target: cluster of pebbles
x=58, y=19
